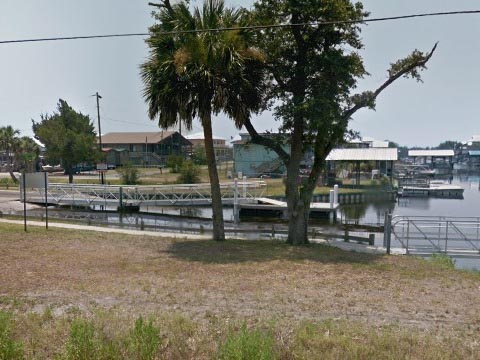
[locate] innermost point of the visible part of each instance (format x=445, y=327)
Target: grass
x=87, y=339
x=69, y=294
x=9, y=347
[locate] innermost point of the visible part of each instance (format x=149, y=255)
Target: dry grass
x=115, y=278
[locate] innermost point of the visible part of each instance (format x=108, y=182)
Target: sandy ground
x=10, y=202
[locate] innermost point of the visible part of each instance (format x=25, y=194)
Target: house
x=467, y=155
x=255, y=160
x=146, y=148
x=220, y=147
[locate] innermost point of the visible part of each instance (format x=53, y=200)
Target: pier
x=245, y=196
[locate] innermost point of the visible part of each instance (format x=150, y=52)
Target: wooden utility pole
x=102, y=180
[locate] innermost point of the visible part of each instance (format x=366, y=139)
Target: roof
x=365, y=154
x=414, y=153
x=136, y=137
x=474, y=153
x=200, y=136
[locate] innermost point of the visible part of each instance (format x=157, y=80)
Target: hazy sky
x=33, y=76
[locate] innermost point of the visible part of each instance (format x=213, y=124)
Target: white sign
x=102, y=166
x=34, y=180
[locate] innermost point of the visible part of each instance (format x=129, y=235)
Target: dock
x=266, y=207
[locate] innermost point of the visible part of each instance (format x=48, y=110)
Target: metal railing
x=456, y=236
x=158, y=195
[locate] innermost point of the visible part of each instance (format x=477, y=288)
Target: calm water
x=469, y=206
x=370, y=214
x=374, y=213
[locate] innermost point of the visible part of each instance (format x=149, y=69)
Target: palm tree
x=26, y=152
x=194, y=71
x=8, y=141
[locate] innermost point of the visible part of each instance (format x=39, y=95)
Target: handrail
x=447, y=234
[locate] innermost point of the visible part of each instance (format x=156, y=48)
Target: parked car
x=50, y=168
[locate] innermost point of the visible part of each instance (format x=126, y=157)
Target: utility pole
x=102, y=180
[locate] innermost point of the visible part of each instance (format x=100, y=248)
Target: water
x=367, y=214
x=374, y=213
x=469, y=206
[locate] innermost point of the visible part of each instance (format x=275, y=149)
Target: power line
x=252, y=27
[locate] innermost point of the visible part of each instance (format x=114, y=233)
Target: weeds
x=9, y=348
x=443, y=261
x=246, y=344
x=81, y=342
x=144, y=340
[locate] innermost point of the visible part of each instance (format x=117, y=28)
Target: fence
x=423, y=235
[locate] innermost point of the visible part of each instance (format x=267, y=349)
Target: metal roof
x=200, y=136
x=136, y=137
x=366, y=154
x=414, y=153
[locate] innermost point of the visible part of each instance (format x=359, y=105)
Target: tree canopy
x=68, y=136
x=200, y=72
x=312, y=69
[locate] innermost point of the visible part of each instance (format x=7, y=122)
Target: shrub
x=9, y=348
x=175, y=162
x=246, y=344
x=129, y=175
x=189, y=173
x=7, y=182
x=198, y=156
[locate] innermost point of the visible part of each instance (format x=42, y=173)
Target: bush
x=175, y=162
x=189, y=173
x=7, y=182
x=129, y=175
x=9, y=348
x=198, y=156
x=246, y=344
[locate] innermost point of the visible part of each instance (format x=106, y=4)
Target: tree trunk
x=217, y=207
x=10, y=170
x=12, y=175
x=298, y=223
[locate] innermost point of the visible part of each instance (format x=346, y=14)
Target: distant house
x=145, y=148
x=366, y=142
x=467, y=155
x=222, y=151
x=255, y=160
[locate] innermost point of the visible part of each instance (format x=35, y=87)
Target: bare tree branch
x=164, y=4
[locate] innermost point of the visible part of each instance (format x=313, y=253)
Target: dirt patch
x=66, y=270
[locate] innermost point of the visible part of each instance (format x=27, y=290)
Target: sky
x=34, y=76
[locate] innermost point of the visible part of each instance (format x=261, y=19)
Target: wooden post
x=371, y=239
x=235, y=202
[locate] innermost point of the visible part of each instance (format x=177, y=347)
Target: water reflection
x=373, y=213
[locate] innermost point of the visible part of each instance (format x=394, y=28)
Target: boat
x=434, y=188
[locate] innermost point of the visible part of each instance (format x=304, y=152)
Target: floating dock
x=266, y=207
x=433, y=190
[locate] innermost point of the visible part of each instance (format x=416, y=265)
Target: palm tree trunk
x=217, y=207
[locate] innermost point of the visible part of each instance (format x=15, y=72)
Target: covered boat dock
x=384, y=158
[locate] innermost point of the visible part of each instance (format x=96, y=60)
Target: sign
x=34, y=181
x=102, y=167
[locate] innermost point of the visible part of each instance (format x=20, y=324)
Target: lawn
x=65, y=293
